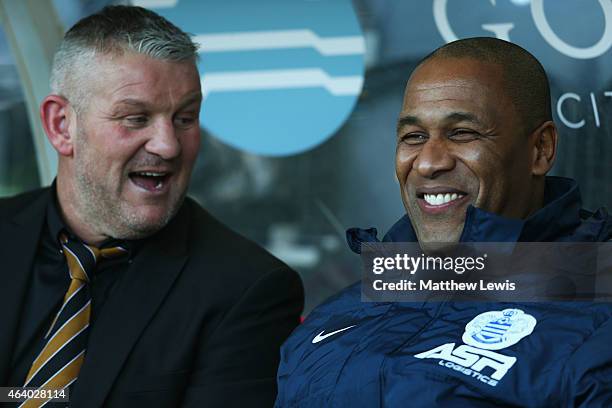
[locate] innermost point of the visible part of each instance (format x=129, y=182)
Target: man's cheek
x=403, y=163
x=404, y=196
x=485, y=196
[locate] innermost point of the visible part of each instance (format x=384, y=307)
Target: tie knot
x=82, y=258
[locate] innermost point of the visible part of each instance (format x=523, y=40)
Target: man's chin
x=143, y=221
x=434, y=241
x=140, y=229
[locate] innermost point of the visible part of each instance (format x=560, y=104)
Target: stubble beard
x=447, y=232
x=102, y=208
x=434, y=240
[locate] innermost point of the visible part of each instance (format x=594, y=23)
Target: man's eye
x=463, y=135
x=136, y=120
x=413, y=138
x=185, y=121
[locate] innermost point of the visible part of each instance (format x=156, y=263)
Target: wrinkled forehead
x=138, y=75
x=440, y=89
x=457, y=71
x=455, y=81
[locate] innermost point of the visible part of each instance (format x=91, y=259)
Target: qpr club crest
x=495, y=330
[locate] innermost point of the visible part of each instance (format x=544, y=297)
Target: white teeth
x=439, y=199
x=151, y=174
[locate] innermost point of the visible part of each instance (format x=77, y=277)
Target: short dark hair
x=525, y=78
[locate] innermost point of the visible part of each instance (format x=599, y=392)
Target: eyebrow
x=407, y=120
x=195, y=98
x=462, y=117
x=131, y=102
x=453, y=117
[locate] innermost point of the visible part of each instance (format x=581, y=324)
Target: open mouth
x=150, y=180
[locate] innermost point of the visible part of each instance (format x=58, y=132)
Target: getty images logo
x=493, y=330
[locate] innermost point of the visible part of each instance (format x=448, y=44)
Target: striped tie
x=58, y=364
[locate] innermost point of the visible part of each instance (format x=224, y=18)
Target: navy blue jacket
x=350, y=353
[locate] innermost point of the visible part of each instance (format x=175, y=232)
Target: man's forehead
x=440, y=88
x=453, y=82
x=457, y=72
x=137, y=76
x=440, y=97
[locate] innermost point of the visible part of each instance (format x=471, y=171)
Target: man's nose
x=164, y=141
x=434, y=158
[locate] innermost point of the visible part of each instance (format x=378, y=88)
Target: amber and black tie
x=58, y=364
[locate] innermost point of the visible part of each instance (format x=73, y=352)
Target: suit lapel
x=19, y=237
x=127, y=312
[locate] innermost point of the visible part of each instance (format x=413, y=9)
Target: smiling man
x=116, y=287
x=475, y=139
x=473, y=134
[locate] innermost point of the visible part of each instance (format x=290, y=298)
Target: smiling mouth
x=438, y=200
x=150, y=180
x=442, y=198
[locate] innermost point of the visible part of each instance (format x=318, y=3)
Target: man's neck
x=70, y=215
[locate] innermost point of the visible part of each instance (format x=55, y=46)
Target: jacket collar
x=19, y=235
x=561, y=212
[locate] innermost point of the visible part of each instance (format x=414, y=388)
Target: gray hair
x=114, y=30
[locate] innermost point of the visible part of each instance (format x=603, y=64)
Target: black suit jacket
x=196, y=320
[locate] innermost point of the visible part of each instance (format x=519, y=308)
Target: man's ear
x=55, y=115
x=544, y=148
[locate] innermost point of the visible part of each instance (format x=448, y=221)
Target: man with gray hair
x=116, y=288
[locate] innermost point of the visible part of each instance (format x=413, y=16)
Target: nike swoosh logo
x=320, y=337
